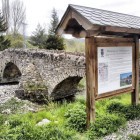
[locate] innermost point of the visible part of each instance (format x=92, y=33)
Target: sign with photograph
x=114, y=68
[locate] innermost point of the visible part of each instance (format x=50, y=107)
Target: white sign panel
x=114, y=68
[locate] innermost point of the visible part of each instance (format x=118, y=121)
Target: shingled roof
x=108, y=18
x=79, y=18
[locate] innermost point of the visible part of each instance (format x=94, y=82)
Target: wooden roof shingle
x=107, y=18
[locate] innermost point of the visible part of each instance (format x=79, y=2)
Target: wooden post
x=90, y=79
x=135, y=94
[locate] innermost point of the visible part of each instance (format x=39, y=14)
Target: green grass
x=134, y=137
x=82, y=83
x=68, y=120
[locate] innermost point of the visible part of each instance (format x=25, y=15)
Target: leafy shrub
x=76, y=117
x=129, y=111
x=2, y=119
x=15, y=121
x=104, y=125
x=28, y=131
x=81, y=100
x=115, y=105
x=17, y=44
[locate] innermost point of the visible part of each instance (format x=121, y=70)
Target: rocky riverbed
x=7, y=92
x=132, y=128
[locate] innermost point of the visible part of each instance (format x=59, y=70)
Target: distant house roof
x=97, y=22
x=108, y=18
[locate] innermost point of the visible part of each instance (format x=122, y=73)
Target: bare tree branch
x=6, y=12
x=18, y=14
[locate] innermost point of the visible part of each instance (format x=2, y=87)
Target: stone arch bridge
x=49, y=73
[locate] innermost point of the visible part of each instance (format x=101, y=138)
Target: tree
x=54, y=42
x=39, y=36
x=16, y=39
x=18, y=14
x=3, y=24
x=4, y=43
x=54, y=22
x=6, y=12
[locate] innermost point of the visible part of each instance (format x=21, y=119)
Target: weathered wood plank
x=115, y=92
x=113, y=40
x=64, y=23
x=133, y=67
x=92, y=78
x=122, y=29
x=135, y=94
x=113, y=95
x=114, y=44
x=87, y=81
x=86, y=24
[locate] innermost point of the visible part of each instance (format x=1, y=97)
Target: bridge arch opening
x=11, y=73
x=65, y=88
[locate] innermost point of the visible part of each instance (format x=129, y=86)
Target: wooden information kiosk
x=111, y=50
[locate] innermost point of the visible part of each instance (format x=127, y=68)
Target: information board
x=114, y=68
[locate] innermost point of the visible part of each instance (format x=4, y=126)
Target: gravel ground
x=7, y=92
x=133, y=127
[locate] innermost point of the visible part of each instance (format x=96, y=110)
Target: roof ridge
x=103, y=10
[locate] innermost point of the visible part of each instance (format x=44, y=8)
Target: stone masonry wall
x=45, y=67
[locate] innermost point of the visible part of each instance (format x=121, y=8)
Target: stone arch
x=66, y=87
x=11, y=73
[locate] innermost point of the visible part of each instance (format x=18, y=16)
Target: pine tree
x=54, y=22
x=4, y=43
x=38, y=36
x=53, y=41
x=3, y=24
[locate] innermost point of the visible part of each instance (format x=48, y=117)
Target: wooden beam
x=114, y=44
x=64, y=23
x=113, y=40
x=122, y=30
x=95, y=27
x=87, y=80
x=113, y=95
x=81, y=34
x=81, y=20
x=90, y=79
x=93, y=33
x=135, y=94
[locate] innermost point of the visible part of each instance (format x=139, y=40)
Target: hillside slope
x=74, y=46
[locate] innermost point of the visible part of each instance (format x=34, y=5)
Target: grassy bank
x=68, y=120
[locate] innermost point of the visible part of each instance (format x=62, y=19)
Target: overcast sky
x=39, y=11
